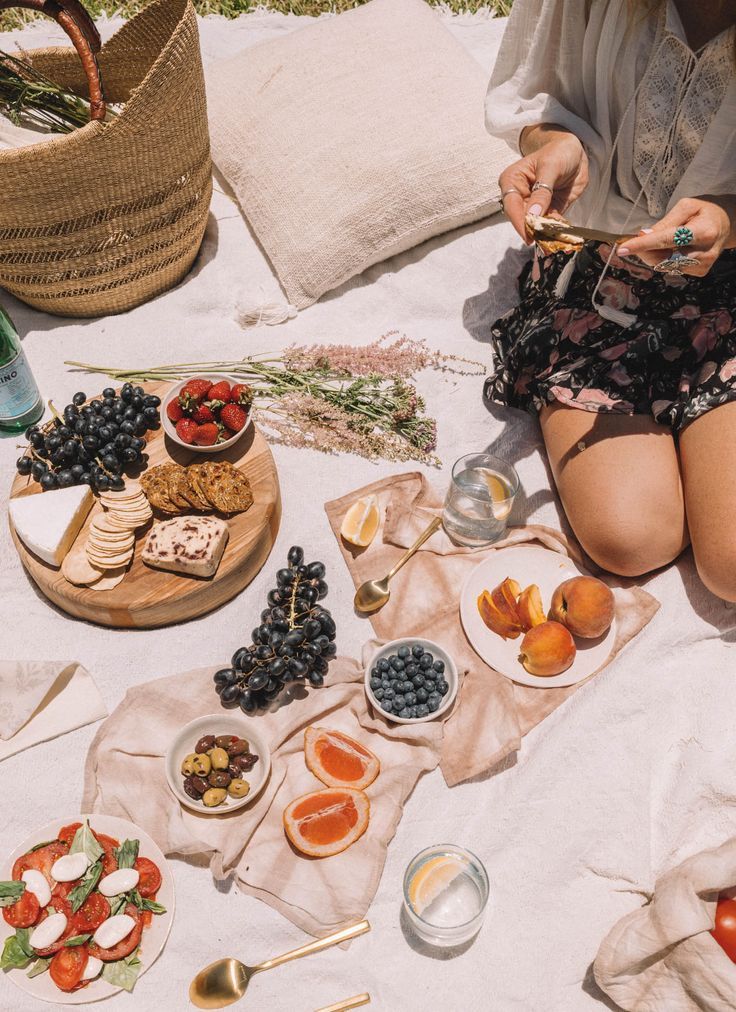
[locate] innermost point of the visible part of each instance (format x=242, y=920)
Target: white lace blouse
x=657, y=119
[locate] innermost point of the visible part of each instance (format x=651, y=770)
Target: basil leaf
x=77, y=940
x=155, y=908
x=126, y=854
x=117, y=905
x=17, y=953
x=135, y=897
x=40, y=966
x=85, y=840
x=39, y=846
x=80, y=893
x=11, y=892
x=123, y=973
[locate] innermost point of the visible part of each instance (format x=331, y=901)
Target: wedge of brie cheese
x=48, y=522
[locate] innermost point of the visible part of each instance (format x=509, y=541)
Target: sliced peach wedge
x=499, y=609
x=531, y=609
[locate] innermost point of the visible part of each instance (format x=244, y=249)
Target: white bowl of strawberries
x=207, y=413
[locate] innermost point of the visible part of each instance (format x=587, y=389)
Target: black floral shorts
x=677, y=361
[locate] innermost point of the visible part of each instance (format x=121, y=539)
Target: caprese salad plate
x=87, y=905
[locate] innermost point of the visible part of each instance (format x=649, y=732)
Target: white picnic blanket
x=634, y=773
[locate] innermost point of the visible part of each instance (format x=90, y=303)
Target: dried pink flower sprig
x=333, y=398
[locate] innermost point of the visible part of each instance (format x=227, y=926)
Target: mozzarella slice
x=119, y=881
x=36, y=883
x=93, y=968
x=70, y=867
x=113, y=930
x=48, y=931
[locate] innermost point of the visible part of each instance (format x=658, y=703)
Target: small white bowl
x=449, y=674
x=217, y=723
x=170, y=428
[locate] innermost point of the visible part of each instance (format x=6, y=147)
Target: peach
x=584, y=605
x=531, y=609
x=503, y=623
x=547, y=649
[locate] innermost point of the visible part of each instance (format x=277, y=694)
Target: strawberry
x=234, y=417
x=173, y=411
x=194, y=393
x=186, y=430
x=242, y=394
x=219, y=392
x=206, y=435
x=203, y=414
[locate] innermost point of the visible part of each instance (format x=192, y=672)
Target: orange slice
x=339, y=761
x=432, y=878
x=361, y=521
x=327, y=822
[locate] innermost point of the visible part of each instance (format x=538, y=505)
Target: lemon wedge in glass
x=432, y=878
x=500, y=493
x=361, y=522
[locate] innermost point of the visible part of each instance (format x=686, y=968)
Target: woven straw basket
x=102, y=219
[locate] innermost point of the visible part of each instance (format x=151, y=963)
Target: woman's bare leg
x=622, y=493
x=708, y=454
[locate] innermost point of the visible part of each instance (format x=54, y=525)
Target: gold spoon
x=373, y=594
x=225, y=981
x=348, y=1003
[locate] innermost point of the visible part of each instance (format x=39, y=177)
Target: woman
x=624, y=115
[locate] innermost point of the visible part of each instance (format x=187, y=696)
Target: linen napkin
x=124, y=776
x=661, y=958
x=40, y=700
x=494, y=713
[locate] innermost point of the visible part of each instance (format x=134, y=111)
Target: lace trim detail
x=681, y=93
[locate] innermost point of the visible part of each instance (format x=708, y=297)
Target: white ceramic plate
x=218, y=723
x=170, y=428
x=154, y=937
x=526, y=564
x=440, y=654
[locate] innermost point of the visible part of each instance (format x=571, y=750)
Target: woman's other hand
x=712, y=222
x=555, y=157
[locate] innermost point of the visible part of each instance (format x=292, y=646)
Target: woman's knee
x=636, y=546
x=717, y=569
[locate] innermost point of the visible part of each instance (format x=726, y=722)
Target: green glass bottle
x=20, y=400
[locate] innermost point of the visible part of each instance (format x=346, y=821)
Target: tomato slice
x=67, y=833
x=91, y=914
x=109, y=844
x=129, y=944
x=61, y=891
x=149, y=882
x=41, y=860
x=24, y=912
x=68, y=965
x=61, y=906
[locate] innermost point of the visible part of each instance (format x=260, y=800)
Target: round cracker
x=77, y=569
x=112, y=578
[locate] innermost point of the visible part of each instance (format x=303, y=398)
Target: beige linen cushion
x=352, y=140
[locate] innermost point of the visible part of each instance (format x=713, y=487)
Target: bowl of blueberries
x=410, y=681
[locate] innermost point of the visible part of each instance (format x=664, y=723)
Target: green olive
x=219, y=758
x=238, y=788
x=187, y=767
x=214, y=797
x=202, y=765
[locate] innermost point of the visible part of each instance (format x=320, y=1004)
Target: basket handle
x=80, y=28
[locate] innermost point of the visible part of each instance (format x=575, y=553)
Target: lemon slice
x=361, y=521
x=434, y=877
x=500, y=493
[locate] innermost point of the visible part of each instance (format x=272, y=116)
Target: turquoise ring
x=683, y=236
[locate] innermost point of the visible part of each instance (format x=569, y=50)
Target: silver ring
x=511, y=189
x=542, y=186
x=675, y=263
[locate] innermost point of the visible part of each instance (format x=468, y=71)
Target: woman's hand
x=708, y=219
x=561, y=163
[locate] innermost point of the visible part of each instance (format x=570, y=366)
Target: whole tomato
x=725, y=930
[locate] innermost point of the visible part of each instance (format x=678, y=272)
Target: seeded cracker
x=226, y=487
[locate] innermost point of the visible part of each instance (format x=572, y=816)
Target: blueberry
x=442, y=687
x=417, y=650
x=410, y=698
x=378, y=693
x=422, y=695
x=389, y=693
x=404, y=652
x=430, y=686
x=439, y=666
x=375, y=683
x=434, y=702
x=422, y=710
x=396, y=663
x=405, y=712
x=399, y=702
x=411, y=669
x=385, y=683
x=425, y=661
x=407, y=687
x=418, y=680
x=387, y=705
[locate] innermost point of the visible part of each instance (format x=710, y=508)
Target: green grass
x=16, y=18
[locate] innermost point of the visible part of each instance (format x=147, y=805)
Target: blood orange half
x=327, y=822
x=339, y=761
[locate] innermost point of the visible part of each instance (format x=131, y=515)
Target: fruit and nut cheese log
x=191, y=544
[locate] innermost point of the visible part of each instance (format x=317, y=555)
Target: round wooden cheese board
x=147, y=598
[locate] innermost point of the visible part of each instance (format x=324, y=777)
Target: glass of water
x=445, y=895
x=479, y=499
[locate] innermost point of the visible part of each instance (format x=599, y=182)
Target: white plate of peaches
x=537, y=617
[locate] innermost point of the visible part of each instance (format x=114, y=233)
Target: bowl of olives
x=217, y=764
x=411, y=681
